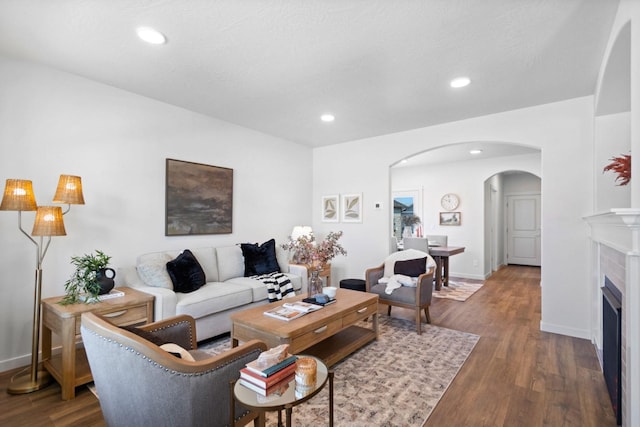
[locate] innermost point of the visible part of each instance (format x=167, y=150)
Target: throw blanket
x=398, y=280
x=278, y=286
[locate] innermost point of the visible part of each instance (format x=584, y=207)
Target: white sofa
x=226, y=290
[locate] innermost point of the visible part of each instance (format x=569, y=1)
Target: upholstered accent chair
x=417, y=298
x=140, y=384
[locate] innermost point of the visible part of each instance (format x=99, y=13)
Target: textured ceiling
x=275, y=66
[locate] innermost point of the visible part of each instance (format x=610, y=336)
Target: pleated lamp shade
x=18, y=196
x=69, y=190
x=49, y=222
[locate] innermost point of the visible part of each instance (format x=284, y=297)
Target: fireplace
x=611, y=344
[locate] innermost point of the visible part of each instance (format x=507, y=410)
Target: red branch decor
x=621, y=166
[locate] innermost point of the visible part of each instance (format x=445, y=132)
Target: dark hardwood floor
x=515, y=376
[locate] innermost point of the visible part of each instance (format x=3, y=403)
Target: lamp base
x=21, y=383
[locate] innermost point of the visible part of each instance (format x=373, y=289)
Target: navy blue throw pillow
x=186, y=273
x=260, y=259
x=411, y=267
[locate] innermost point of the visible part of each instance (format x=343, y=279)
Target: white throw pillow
x=153, y=271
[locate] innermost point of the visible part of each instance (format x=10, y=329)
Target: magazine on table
x=292, y=310
x=302, y=306
x=284, y=313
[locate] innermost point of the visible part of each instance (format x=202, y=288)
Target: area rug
x=458, y=291
x=394, y=381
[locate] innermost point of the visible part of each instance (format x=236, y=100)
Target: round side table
x=285, y=400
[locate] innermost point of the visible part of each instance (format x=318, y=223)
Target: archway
x=452, y=169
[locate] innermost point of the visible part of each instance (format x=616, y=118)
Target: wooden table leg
x=330, y=398
x=68, y=339
x=438, y=260
x=289, y=410
x=445, y=275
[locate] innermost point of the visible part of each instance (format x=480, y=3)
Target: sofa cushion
x=186, y=273
x=153, y=271
x=403, y=294
x=212, y=298
x=411, y=267
x=207, y=259
x=260, y=259
x=230, y=262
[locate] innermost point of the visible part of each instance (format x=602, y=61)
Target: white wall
x=53, y=123
x=564, y=133
x=467, y=180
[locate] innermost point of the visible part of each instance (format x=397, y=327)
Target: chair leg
x=388, y=310
x=426, y=313
x=419, y=320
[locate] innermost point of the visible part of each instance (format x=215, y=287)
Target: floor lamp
x=18, y=196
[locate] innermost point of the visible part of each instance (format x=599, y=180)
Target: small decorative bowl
x=329, y=291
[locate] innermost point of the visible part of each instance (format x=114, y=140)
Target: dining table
x=440, y=255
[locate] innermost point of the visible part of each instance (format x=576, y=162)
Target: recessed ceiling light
x=460, y=82
x=151, y=36
x=327, y=117
x=475, y=152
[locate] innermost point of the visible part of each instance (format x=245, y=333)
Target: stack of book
x=271, y=380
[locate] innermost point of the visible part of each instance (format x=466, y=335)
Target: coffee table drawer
x=359, y=314
x=315, y=336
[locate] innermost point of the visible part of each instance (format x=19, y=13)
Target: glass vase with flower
x=306, y=250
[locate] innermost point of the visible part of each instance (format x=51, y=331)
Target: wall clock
x=450, y=201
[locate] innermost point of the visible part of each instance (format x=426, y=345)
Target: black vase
x=104, y=277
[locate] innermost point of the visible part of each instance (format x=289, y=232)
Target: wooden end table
x=71, y=368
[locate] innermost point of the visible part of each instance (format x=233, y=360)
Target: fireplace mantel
x=619, y=229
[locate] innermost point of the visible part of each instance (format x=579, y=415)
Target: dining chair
x=419, y=243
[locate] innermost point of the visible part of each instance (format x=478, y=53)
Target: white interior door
x=523, y=230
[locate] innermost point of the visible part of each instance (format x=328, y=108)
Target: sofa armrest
x=372, y=275
x=164, y=304
x=300, y=270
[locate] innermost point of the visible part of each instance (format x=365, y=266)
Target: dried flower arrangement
x=410, y=220
x=307, y=251
x=620, y=166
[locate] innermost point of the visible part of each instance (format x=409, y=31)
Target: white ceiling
x=380, y=66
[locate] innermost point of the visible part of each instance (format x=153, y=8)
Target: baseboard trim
x=563, y=330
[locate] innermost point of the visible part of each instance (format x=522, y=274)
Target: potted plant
x=90, y=278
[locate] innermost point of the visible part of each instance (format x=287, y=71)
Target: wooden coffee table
x=330, y=334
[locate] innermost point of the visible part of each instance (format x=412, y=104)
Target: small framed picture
x=450, y=218
x=352, y=207
x=330, y=208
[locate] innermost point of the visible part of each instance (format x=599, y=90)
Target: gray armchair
x=139, y=384
x=418, y=298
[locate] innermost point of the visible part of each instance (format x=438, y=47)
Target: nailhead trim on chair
x=174, y=324
x=166, y=369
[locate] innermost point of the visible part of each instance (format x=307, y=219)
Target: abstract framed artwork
x=198, y=199
x=352, y=207
x=450, y=218
x=330, y=210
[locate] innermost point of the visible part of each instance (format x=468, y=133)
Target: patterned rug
x=394, y=381
x=458, y=291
